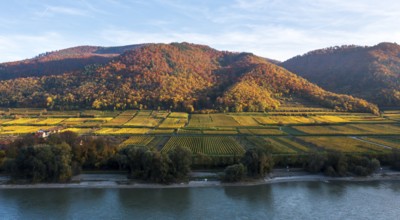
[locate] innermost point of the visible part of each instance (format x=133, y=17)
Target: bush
x=234, y=173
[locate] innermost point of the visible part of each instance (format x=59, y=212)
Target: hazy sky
x=269, y=28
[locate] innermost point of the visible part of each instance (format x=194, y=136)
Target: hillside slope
x=177, y=76
x=62, y=61
x=371, y=73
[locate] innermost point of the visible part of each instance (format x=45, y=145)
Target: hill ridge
x=176, y=76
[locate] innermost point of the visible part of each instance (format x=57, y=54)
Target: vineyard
x=137, y=141
x=295, y=131
x=393, y=142
x=343, y=144
x=173, y=123
x=213, y=146
x=353, y=129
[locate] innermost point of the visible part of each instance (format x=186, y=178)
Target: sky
x=276, y=29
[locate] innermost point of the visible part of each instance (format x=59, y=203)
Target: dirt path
x=370, y=142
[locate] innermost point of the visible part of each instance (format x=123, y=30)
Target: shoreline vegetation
x=120, y=180
x=244, y=147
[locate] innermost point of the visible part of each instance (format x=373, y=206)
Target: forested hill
x=61, y=61
x=371, y=73
x=178, y=76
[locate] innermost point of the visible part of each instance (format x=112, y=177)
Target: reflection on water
x=307, y=200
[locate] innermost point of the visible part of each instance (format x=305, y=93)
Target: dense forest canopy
x=177, y=76
x=371, y=73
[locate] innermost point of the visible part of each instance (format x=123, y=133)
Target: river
x=292, y=200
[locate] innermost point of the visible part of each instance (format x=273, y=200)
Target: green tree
x=234, y=173
x=180, y=162
x=258, y=162
x=43, y=163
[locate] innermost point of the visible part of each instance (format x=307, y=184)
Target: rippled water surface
x=302, y=200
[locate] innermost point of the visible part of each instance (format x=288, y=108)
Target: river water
x=293, y=200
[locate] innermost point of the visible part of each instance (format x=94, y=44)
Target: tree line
x=60, y=156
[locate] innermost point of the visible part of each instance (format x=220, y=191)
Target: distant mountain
x=179, y=76
x=371, y=73
x=62, y=61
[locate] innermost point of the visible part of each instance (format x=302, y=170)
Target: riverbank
x=121, y=181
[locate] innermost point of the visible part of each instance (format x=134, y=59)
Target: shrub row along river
x=293, y=200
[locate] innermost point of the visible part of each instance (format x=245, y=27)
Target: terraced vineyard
x=290, y=131
x=213, y=146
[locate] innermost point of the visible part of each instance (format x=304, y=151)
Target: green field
x=343, y=144
x=214, y=146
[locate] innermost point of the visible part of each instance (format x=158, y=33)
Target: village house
x=44, y=133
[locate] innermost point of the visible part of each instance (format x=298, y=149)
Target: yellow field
x=212, y=120
x=264, y=120
x=189, y=131
x=173, y=123
x=50, y=121
x=343, y=144
x=121, y=131
x=7, y=130
x=118, y=121
x=161, y=131
x=246, y=121
x=222, y=120
x=4, y=120
x=85, y=121
x=137, y=140
x=130, y=113
x=178, y=115
x=200, y=121
x=284, y=120
x=74, y=121
x=329, y=119
x=21, y=121
x=143, y=121
x=79, y=130
x=144, y=113
x=160, y=114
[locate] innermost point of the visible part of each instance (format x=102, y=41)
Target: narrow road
x=370, y=142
